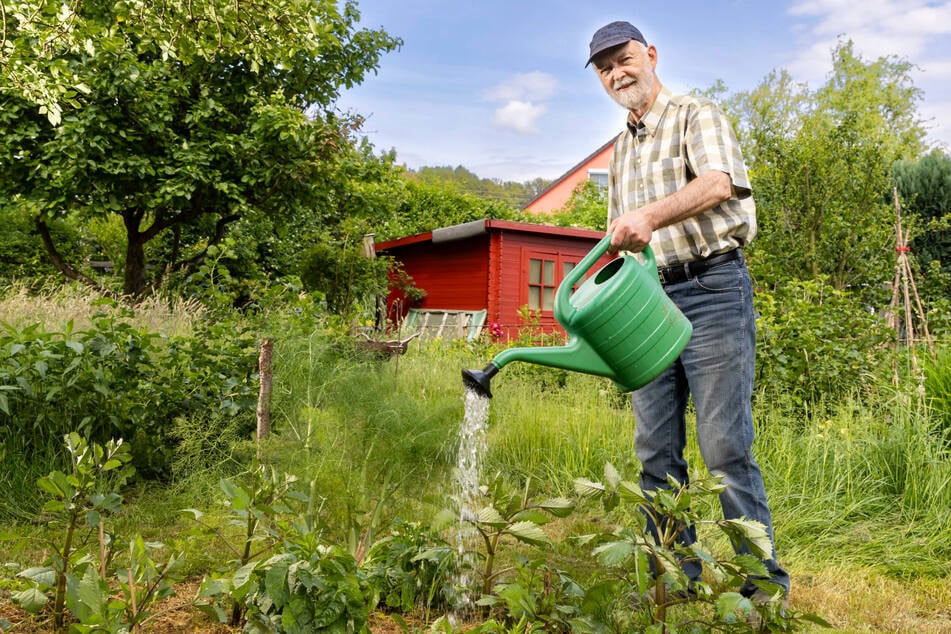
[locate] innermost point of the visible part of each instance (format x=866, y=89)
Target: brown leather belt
x=677, y=273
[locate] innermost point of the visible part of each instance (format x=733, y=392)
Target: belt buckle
x=662, y=274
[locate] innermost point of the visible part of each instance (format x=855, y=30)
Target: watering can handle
x=562, y=307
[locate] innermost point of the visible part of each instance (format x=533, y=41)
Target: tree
x=462, y=180
x=821, y=167
x=924, y=187
x=179, y=117
x=587, y=208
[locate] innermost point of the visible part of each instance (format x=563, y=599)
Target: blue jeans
x=716, y=368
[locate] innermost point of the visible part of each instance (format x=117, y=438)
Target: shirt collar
x=651, y=118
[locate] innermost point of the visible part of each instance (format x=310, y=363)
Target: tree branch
x=64, y=267
x=223, y=222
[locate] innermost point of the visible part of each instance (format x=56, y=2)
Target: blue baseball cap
x=611, y=35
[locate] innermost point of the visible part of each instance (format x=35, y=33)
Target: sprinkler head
x=478, y=380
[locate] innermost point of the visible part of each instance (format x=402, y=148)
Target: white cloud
x=519, y=116
x=907, y=28
x=535, y=86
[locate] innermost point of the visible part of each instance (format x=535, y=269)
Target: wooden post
x=264, y=393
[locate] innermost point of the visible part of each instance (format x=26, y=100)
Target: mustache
x=623, y=83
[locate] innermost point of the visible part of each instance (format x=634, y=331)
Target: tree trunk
x=135, y=281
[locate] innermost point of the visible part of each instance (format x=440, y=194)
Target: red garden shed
x=481, y=274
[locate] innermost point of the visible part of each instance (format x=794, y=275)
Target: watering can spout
x=576, y=356
x=478, y=380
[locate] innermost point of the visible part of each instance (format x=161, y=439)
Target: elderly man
x=677, y=182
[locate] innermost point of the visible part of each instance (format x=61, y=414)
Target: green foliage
x=119, y=380
x=344, y=275
x=411, y=567
x=938, y=392
x=653, y=567
x=462, y=180
x=924, y=189
x=507, y=511
x=22, y=256
x=816, y=342
x=539, y=594
x=267, y=509
x=424, y=207
x=180, y=117
x=587, y=208
x=309, y=590
x=820, y=165
x=86, y=497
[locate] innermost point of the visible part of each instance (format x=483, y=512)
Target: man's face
x=627, y=74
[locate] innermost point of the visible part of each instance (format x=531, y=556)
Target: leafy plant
x=264, y=510
x=78, y=580
x=410, y=567
x=141, y=584
x=511, y=512
x=653, y=565
x=310, y=588
x=539, y=594
x=815, y=341
x=81, y=497
x=118, y=380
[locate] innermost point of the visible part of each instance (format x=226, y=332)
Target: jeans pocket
x=722, y=278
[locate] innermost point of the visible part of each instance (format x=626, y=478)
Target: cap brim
x=611, y=43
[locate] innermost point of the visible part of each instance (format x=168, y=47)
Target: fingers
x=629, y=233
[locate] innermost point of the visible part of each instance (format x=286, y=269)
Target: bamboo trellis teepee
x=905, y=298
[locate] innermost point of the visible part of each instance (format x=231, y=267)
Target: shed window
x=545, y=273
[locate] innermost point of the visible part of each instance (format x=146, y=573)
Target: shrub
x=815, y=341
x=117, y=380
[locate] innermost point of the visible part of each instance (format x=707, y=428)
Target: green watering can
x=620, y=324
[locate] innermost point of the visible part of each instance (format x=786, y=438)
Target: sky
x=500, y=88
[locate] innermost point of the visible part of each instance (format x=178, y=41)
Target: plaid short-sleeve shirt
x=679, y=138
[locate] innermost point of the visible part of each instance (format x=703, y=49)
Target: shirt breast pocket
x=662, y=178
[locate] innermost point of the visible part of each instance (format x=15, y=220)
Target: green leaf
x=750, y=565
x=239, y=498
x=31, y=600
x=531, y=515
x=611, y=475
x=614, y=553
x=559, y=507
x=588, y=489
x=275, y=584
x=92, y=591
x=754, y=533
x=243, y=581
x=631, y=493
x=43, y=576
x=491, y=517
x=528, y=532
x=728, y=603
x=194, y=513
x=214, y=588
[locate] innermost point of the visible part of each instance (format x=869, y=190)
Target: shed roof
x=478, y=227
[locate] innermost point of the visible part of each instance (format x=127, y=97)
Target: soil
x=174, y=616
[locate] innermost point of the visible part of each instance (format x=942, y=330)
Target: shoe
x=761, y=598
x=764, y=602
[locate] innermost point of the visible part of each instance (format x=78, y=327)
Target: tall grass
x=57, y=305
x=864, y=482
